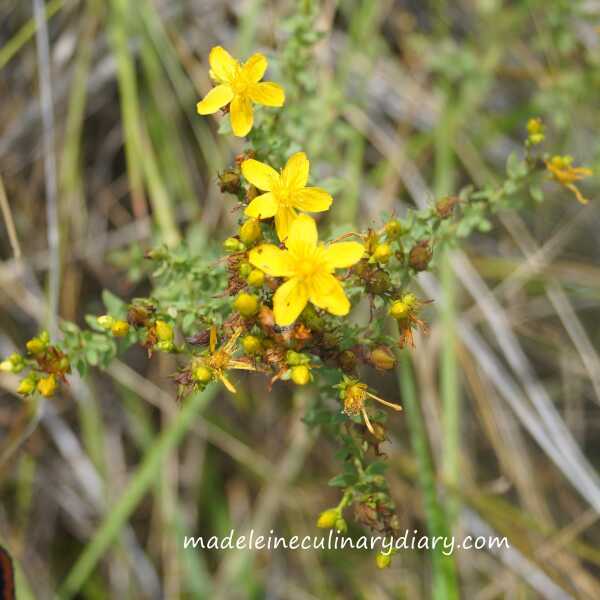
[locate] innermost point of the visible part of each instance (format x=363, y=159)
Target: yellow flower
x=285, y=192
x=562, y=170
x=216, y=363
x=47, y=386
x=355, y=394
x=308, y=267
x=238, y=85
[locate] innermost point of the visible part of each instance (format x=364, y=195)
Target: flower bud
x=445, y=206
x=256, y=278
x=399, y=310
x=6, y=366
x=105, y=321
x=300, y=374
x=341, y=525
x=164, y=331
x=232, y=244
x=382, y=358
x=26, y=386
x=36, y=346
x=393, y=229
x=246, y=304
x=120, y=328
x=165, y=346
x=382, y=253
x=47, y=386
x=202, y=374
x=245, y=269
x=410, y=300
x=251, y=344
x=293, y=358
x=383, y=561
x=328, y=518
x=250, y=231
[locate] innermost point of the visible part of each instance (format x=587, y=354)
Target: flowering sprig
x=279, y=302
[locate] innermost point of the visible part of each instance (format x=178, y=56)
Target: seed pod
x=347, y=361
x=445, y=206
x=382, y=358
x=420, y=256
x=378, y=283
x=229, y=182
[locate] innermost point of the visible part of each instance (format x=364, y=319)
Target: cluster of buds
x=47, y=365
x=535, y=132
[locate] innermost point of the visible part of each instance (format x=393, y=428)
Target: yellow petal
x=241, y=116
x=289, y=301
x=267, y=93
x=343, y=254
x=330, y=295
x=262, y=207
x=217, y=98
x=284, y=217
x=223, y=66
x=312, y=199
x=254, y=68
x=259, y=174
x=295, y=172
x=272, y=260
x=302, y=234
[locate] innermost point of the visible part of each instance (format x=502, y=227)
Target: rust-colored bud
x=445, y=206
x=420, y=256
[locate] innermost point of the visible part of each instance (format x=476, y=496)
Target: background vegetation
x=102, y=157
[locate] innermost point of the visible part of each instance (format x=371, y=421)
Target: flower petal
x=272, y=260
x=262, y=207
x=295, y=172
x=254, y=68
x=284, y=217
x=259, y=174
x=343, y=254
x=329, y=294
x=223, y=66
x=289, y=301
x=242, y=118
x=267, y=93
x=312, y=199
x=217, y=98
x=302, y=234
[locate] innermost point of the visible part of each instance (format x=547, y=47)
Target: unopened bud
x=382, y=253
x=382, y=358
x=328, y=518
x=246, y=304
x=250, y=231
x=120, y=328
x=383, y=561
x=300, y=374
x=256, y=278
x=251, y=344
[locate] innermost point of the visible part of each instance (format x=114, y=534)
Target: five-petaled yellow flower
x=239, y=86
x=285, y=192
x=308, y=267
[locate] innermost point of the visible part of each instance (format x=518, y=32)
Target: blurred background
x=103, y=157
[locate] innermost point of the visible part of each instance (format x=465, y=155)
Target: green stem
x=141, y=481
x=445, y=580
